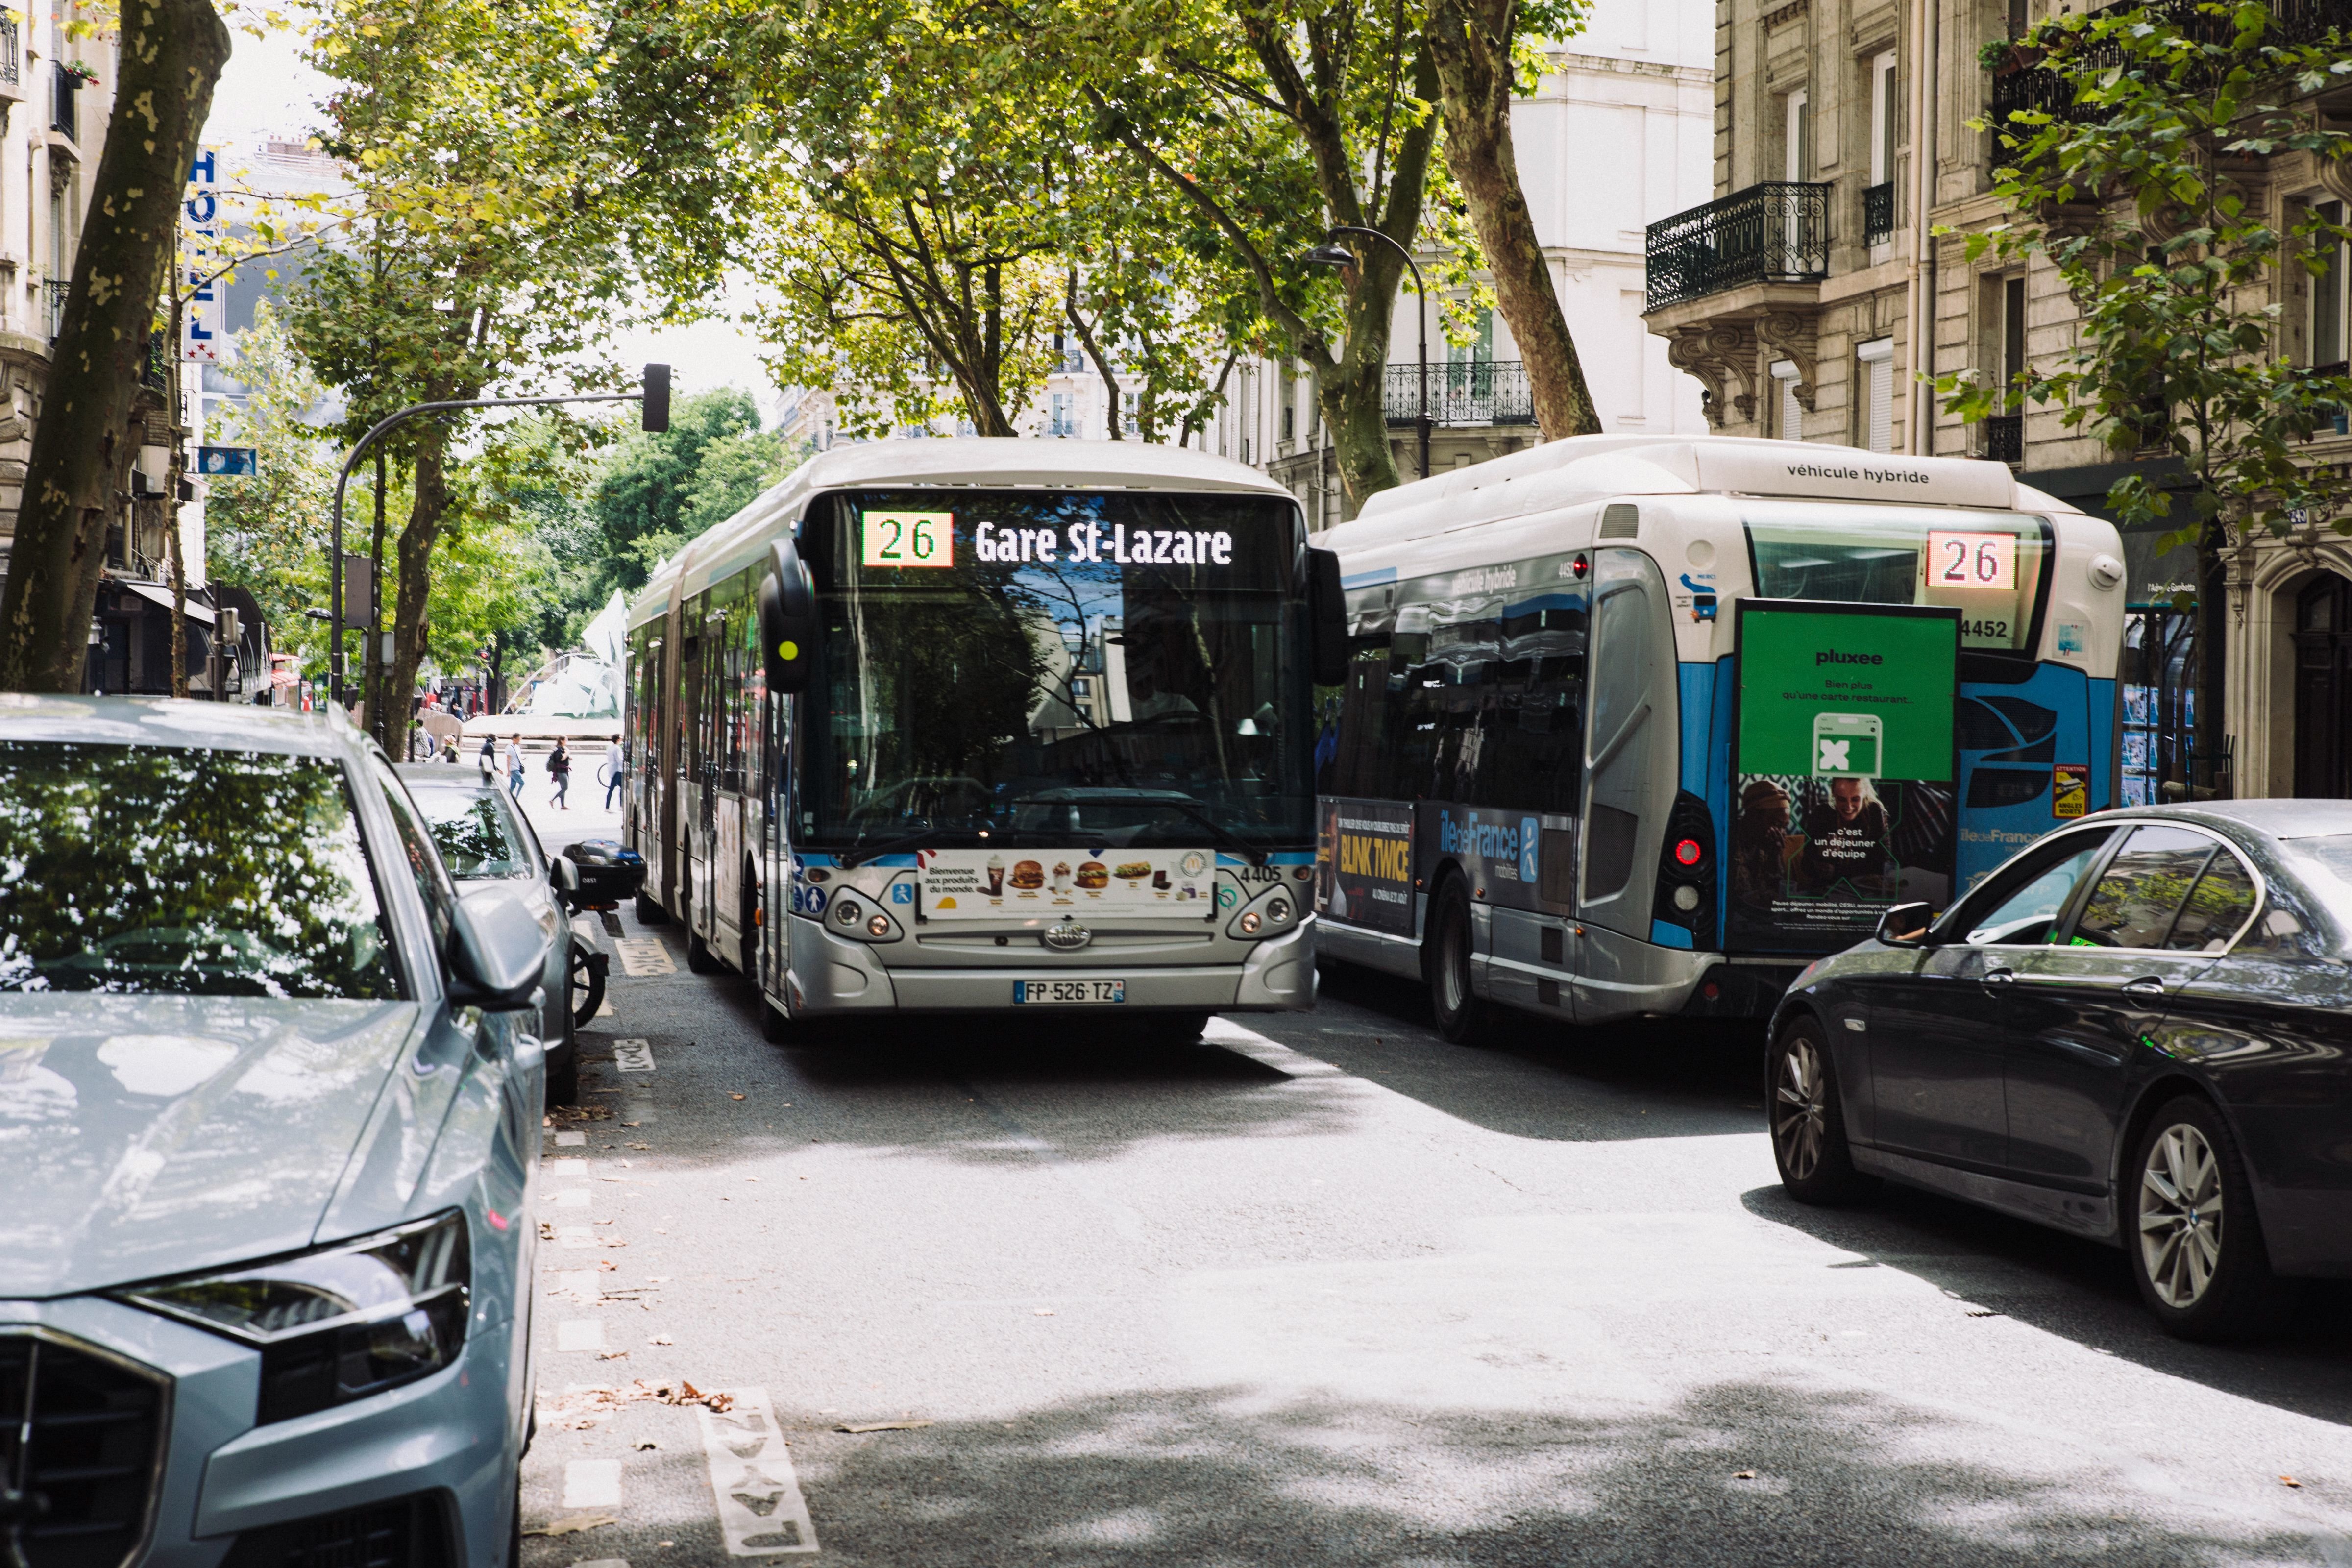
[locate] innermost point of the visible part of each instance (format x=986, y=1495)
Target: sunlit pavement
x=1323, y=1290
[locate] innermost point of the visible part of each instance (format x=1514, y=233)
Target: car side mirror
x=788, y=627
x=1905, y=925
x=1327, y=606
x=564, y=877
x=497, y=951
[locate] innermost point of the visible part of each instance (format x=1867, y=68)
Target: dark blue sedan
x=2139, y=1030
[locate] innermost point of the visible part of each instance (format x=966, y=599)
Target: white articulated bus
x=1639, y=725
x=970, y=725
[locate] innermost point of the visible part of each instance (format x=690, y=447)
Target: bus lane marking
x=633, y=1055
x=644, y=955
x=762, y=1512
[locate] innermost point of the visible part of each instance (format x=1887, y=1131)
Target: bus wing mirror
x=1326, y=605
x=787, y=621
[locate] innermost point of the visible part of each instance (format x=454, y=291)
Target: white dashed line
x=760, y=1510
x=567, y=1167
x=574, y=1236
x=570, y=1139
x=580, y=1334
x=592, y=1483
x=573, y=1198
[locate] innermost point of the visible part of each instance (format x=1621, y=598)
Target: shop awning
x=162, y=595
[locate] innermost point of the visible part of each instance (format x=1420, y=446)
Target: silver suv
x=270, y=1097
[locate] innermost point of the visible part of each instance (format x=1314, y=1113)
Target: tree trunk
x=171, y=54
x=1470, y=41
x=428, y=505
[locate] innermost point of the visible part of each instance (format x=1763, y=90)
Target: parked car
x=270, y=1094
x=486, y=838
x=2139, y=1030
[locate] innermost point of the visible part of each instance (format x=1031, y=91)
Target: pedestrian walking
x=514, y=768
x=490, y=760
x=558, y=764
x=611, y=772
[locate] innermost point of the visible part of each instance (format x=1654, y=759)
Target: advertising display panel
x=1364, y=864
x=993, y=884
x=1843, y=797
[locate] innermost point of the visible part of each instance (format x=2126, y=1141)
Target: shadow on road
x=2080, y=1291
x=1187, y=1478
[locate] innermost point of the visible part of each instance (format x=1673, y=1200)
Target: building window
x=1789, y=419
x=1061, y=421
x=1875, y=364
x=1878, y=199
x=1797, y=133
x=1130, y=418
x=2329, y=290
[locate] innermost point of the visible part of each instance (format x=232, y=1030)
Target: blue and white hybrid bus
x=1639, y=725
x=968, y=726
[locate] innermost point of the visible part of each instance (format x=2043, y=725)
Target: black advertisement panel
x=1364, y=862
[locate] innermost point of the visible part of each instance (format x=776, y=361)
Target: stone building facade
x=1811, y=296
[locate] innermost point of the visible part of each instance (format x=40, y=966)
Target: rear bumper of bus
x=833, y=975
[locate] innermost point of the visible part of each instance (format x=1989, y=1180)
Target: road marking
x=633, y=1055
x=571, y=1198
x=592, y=1483
x=572, y=1139
x=604, y=1563
x=568, y=1167
x=760, y=1510
x=644, y=955
x=581, y=1334
x=574, y=1236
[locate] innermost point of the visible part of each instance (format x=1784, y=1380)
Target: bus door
x=685, y=796
x=1630, y=773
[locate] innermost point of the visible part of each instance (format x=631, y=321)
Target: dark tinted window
x=2144, y=888
x=476, y=835
x=2217, y=906
x=179, y=870
x=2022, y=906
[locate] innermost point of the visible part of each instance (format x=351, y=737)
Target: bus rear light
x=1686, y=898
x=1688, y=852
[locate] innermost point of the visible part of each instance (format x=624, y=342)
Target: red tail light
x=1688, y=852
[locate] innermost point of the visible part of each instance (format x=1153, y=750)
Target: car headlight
x=341, y=1324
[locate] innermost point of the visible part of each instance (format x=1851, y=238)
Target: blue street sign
x=217, y=460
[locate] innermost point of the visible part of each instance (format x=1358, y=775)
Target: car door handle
x=2146, y=985
x=1998, y=976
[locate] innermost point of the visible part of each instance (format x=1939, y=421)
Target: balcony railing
x=1878, y=214
x=1478, y=392
x=1773, y=233
x=12, y=52
x=2039, y=89
x=53, y=301
x=2005, y=437
x=65, y=88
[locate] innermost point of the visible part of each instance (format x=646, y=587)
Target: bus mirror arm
x=788, y=628
x=1326, y=603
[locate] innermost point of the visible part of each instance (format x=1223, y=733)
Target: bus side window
x=1359, y=766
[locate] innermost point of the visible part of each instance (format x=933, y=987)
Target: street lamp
x=1334, y=254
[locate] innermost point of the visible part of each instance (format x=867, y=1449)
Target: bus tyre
x=2191, y=1231
x=775, y=1027
x=1808, y=1118
x=699, y=959
x=1445, y=961
x=1168, y=1030
x=650, y=913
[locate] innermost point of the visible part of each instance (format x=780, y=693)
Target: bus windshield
x=1988, y=564
x=1010, y=666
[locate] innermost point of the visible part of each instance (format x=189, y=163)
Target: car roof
x=176, y=721
x=442, y=776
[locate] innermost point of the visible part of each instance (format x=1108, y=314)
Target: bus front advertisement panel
x=1842, y=798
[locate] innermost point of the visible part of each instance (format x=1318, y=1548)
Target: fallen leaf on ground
x=607, y=1222
x=734, y=1097
x=633, y=1124
x=642, y=1444
x=609, y=1267
x=661, y=1339
x=640, y=1145
x=1743, y=1475
x=882, y=1425
x=612, y=1355
x=2290, y=1481
x=577, y=1522
x=1043, y=1312
x=546, y=1231
x=751, y=1178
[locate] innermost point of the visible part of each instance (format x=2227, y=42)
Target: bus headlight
x=879, y=926
x=848, y=911
x=1249, y=922
x=1277, y=909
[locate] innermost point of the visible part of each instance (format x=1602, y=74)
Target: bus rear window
x=1987, y=565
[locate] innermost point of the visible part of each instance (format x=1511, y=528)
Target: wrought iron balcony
x=53, y=299
x=1778, y=232
x=1477, y=391
x=1878, y=214
x=12, y=52
x=2005, y=437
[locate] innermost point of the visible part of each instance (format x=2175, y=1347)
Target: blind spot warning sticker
x=2070, y=790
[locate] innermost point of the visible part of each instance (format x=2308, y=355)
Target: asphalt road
x=1325, y=1290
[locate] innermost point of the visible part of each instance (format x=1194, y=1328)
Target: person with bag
x=613, y=775
x=514, y=768
x=559, y=766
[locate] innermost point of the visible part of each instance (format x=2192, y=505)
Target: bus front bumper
x=834, y=974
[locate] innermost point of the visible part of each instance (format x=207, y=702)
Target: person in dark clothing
x=559, y=764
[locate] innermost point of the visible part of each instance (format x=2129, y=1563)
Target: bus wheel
x=774, y=1028
x=1162, y=1030
x=650, y=913
x=1446, y=959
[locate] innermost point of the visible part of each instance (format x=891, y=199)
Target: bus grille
x=81, y=1436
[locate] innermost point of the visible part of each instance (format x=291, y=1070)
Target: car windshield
x=1035, y=665
x=477, y=839
x=184, y=871
x=1987, y=564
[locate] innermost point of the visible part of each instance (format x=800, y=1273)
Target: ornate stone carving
x=1789, y=335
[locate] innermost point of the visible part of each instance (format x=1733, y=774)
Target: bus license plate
x=1069, y=991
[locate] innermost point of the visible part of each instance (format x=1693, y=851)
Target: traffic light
x=654, y=414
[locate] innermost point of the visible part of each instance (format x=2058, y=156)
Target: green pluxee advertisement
x=1843, y=797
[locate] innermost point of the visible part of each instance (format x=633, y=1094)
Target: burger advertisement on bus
x=1843, y=797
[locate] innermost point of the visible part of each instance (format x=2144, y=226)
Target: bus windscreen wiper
x=1183, y=805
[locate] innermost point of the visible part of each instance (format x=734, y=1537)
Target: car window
x=2022, y=906
x=2217, y=906
x=185, y=871
x=424, y=858
x=477, y=837
x=2140, y=893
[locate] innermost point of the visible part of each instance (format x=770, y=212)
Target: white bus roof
x=1582, y=469
x=987, y=462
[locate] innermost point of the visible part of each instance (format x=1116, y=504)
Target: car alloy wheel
x=2180, y=1215
x=1800, y=1109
